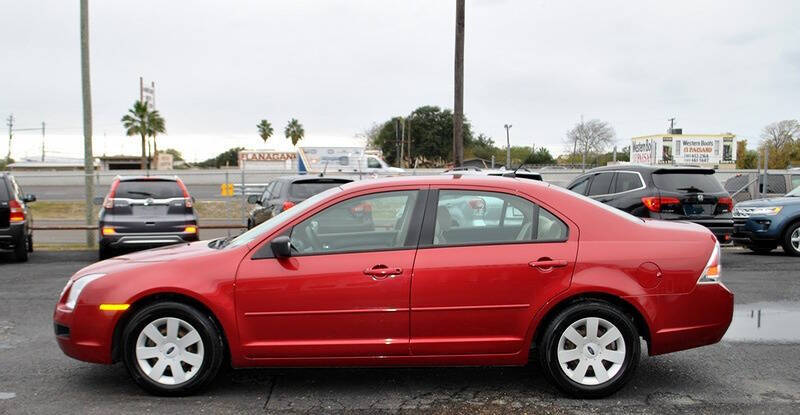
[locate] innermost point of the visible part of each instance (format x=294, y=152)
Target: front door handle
x=380, y=271
x=546, y=264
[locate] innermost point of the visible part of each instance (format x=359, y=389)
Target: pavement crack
x=271, y=389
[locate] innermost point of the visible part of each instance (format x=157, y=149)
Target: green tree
x=264, y=130
x=294, y=131
x=745, y=159
x=227, y=158
x=540, y=156
x=176, y=155
x=145, y=123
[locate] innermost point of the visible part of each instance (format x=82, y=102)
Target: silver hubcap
x=795, y=239
x=169, y=351
x=591, y=351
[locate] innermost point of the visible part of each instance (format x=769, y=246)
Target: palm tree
x=145, y=123
x=294, y=131
x=264, y=130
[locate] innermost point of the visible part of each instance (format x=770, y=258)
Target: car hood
x=170, y=253
x=772, y=201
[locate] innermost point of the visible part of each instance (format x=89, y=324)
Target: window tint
x=147, y=189
x=365, y=223
x=580, y=187
x=304, y=190
x=685, y=181
x=472, y=217
x=601, y=184
x=3, y=190
x=627, y=181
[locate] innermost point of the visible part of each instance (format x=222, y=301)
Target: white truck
x=309, y=159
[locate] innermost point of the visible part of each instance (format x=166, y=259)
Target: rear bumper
x=698, y=318
x=11, y=236
x=144, y=240
x=86, y=332
x=721, y=228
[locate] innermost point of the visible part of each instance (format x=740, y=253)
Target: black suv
x=669, y=193
x=285, y=192
x=145, y=212
x=16, y=222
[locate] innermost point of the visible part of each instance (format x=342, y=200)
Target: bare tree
x=593, y=136
x=782, y=132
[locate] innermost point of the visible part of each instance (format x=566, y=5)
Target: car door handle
x=547, y=264
x=380, y=271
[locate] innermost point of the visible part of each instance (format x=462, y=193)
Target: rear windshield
x=148, y=189
x=687, y=182
x=304, y=190
x=3, y=190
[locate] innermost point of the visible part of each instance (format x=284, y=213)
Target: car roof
x=646, y=168
x=142, y=178
x=310, y=177
x=454, y=178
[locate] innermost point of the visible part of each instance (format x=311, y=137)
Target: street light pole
x=508, y=146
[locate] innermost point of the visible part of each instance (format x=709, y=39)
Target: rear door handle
x=547, y=264
x=380, y=271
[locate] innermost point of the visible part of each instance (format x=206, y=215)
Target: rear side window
x=304, y=190
x=3, y=190
x=148, y=189
x=687, y=182
x=627, y=181
x=601, y=185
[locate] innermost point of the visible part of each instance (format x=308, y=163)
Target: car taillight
x=726, y=204
x=108, y=203
x=187, y=200
x=17, y=214
x=655, y=203
x=287, y=205
x=713, y=268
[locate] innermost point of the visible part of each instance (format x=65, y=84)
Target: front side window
x=580, y=187
x=465, y=217
x=374, y=222
x=373, y=163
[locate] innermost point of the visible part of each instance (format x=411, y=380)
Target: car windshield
x=270, y=224
x=305, y=189
x=148, y=189
x=687, y=182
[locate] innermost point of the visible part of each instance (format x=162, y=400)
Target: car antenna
x=324, y=169
x=514, y=173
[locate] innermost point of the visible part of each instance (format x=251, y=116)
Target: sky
x=339, y=66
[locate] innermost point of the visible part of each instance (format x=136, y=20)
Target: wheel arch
x=627, y=307
x=152, y=298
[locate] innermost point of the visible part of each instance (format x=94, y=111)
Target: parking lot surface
x=756, y=368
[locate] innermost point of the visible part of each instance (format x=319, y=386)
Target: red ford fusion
x=414, y=271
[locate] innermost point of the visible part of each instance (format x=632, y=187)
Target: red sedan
x=445, y=270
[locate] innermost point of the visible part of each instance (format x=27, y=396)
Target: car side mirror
x=29, y=198
x=281, y=246
x=253, y=199
x=97, y=201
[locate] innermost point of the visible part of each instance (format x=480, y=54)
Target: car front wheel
x=172, y=349
x=791, y=240
x=590, y=349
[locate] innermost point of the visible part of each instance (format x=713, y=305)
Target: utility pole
x=508, y=146
x=10, y=123
x=458, y=105
x=88, y=158
x=402, y=141
x=42, y=141
x=671, y=124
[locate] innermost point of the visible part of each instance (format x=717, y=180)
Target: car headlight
x=744, y=212
x=78, y=286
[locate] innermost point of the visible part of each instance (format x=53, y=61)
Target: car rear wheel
x=21, y=249
x=791, y=240
x=590, y=349
x=172, y=349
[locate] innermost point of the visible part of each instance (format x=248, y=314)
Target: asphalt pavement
x=755, y=369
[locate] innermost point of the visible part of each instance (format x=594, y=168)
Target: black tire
x=30, y=243
x=212, y=343
x=761, y=250
x=788, y=248
x=105, y=252
x=549, y=344
x=21, y=249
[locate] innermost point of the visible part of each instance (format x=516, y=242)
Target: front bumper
x=756, y=230
x=86, y=332
x=698, y=318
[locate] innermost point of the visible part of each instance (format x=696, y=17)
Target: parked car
x=763, y=224
x=668, y=193
x=303, y=289
x=145, y=212
x=285, y=192
x=16, y=221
